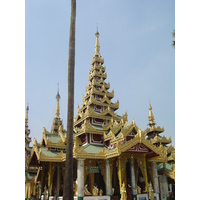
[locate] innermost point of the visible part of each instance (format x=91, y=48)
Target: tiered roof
x=99, y=131
x=30, y=172
x=57, y=122
x=53, y=144
x=153, y=135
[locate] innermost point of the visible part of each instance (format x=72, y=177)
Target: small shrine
x=113, y=159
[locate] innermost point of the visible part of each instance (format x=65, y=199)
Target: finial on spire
x=97, y=46
x=58, y=95
x=57, y=106
x=26, y=118
x=151, y=116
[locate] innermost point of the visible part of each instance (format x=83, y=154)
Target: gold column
x=122, y=170
x=150, y=170
x=91, y=182
x=42, y=179
x=119, y=173
x=26, y=191
x=141, y=160
x=29, y=190
x=49, y=179
x=145, y=173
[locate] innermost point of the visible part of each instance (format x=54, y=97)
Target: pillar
x=26, y=191
x=42, y=179
x=34, y=185
x=29, y=190
x=58, y=181
x=80, y=178
x=91, y=182
x=49, y=180
x=145, y=173
x=108, y=180
x=164, y=192
x=119, y=173
x=155, y=178
x=133, y=183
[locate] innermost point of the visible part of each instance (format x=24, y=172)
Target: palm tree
x=68, y=178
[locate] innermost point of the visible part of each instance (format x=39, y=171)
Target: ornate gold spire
x=97, y=46
x=57, y=121
x=151, y=117
x=26, y=118
x=57, y=106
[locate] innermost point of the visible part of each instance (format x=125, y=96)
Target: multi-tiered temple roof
x=53, y=143
x=99, y=132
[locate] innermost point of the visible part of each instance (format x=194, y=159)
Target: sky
x=135, y=42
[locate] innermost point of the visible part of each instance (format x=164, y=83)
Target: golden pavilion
x=112, y=158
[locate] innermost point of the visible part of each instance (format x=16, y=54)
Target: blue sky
x=135, y=42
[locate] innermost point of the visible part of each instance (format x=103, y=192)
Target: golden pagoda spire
x=97, y=46
x=26, y=118
x=151, y=117
x=57, y=106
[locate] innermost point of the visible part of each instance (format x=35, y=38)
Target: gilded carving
x=170, y=149
x=163, y=139
x=115, y=131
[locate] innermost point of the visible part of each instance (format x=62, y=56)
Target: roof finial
x=26, y=118
x=97, y=46
x=57, y=106
x=151, y=116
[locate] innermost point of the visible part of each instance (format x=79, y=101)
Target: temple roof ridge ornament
x=34, y=142
x=97, y=46
x=56, y=121
x=151, y=117
x=170, y=149
x=57, y=106
x=161, y=140
x=26, y=118
x=97, y=56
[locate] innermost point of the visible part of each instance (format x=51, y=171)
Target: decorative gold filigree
x=163, y=140
x=170, y=149
x=97, y=59
x=170, y=174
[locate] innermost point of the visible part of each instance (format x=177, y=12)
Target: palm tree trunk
x=68, y=179
x=173, y=34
